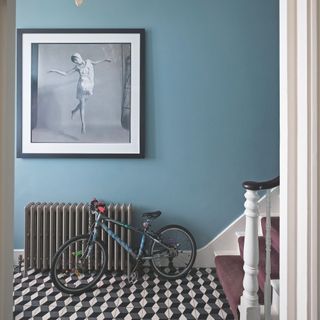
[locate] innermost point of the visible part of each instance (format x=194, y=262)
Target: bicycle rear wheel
x=176, y=260
x=78, y=264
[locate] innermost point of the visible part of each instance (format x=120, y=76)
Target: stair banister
x=249, y=305
x=267, y=284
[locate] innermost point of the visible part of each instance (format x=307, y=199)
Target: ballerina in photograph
x=85, y=86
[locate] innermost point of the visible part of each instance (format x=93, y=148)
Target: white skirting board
x=226, y=242
x=204, y=257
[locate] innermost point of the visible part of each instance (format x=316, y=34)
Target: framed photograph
x=80, y=93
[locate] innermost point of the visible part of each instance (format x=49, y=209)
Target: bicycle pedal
x=133, y=277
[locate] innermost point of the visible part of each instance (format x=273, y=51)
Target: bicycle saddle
x=152, y=215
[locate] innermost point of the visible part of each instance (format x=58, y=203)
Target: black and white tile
x=197, y=296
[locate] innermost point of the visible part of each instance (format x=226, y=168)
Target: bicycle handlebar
x=99, y=206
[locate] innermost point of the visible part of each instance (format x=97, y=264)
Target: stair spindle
x=249, y=305
x=267, y=285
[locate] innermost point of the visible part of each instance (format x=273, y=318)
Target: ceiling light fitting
x=78, y=3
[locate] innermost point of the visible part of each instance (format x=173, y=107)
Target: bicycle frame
x=102, y=221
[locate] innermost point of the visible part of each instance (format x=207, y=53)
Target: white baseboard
x=226, y=242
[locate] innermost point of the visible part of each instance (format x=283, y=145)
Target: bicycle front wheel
x=174, y=256
x=78, y=264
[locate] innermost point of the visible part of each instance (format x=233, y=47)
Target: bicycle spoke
x=179, y=258
x=74, y=270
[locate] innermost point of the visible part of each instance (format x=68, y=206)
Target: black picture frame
x=80, y=93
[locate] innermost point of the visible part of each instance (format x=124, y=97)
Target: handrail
x=255, y=185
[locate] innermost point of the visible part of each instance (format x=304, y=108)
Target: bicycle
x=172, y=252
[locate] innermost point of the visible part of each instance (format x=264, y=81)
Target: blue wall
x=212, y=111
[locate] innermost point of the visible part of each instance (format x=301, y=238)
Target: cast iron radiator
x=49, y=225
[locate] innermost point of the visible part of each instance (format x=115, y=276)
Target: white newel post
x=249, y=304
x=267, y=285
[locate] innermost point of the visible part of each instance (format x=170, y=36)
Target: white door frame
x=299, y=159
x=7, y=107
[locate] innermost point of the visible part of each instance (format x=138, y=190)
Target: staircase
x=245, y=278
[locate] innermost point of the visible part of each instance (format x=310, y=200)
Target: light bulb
x=78, y=2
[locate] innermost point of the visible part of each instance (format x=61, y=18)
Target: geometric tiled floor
x=197, y=296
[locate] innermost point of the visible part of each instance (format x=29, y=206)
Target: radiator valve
x=20, y=262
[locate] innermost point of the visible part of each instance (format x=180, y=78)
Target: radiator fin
x=49, y=225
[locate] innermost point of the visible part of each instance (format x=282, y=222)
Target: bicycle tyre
x=57, y=275
x=162, y=237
